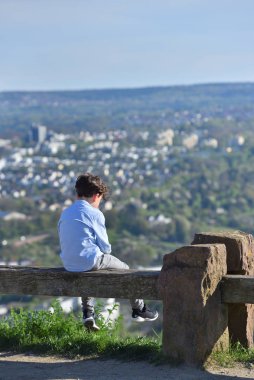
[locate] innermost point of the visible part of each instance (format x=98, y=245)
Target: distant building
x=190, y=141
x=53, y=147
x=211, y=143
x=237, y=141
x=38, y=134
x=12, y=215
x=166, y=137
x=5, y=143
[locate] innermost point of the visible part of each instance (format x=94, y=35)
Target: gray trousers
x=107, y=261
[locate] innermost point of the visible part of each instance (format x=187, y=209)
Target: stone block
x=194, y=319
x=240, y=249
x=240, y=260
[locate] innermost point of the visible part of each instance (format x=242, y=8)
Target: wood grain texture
x=237, y=289
x=58, y=282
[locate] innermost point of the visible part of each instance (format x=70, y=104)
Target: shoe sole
x=90, y=325
x=140, y=319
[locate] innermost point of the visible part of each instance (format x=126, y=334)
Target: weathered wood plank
x=59, y=282
x=237, y=289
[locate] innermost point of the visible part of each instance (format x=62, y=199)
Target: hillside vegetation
x=178, y=160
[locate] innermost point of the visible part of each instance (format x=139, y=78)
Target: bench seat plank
x=59, y=282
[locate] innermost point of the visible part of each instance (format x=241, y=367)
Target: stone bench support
x=240, y=261
x=194, y=319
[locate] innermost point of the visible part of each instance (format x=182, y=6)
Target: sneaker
x=89, y=321
x=144, y=314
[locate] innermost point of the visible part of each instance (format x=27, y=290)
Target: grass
x=54, y=333
x=235, y=354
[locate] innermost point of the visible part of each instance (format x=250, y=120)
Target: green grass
x=235, y=354
x=54, y=333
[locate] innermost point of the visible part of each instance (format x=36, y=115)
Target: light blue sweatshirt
x=83, y=236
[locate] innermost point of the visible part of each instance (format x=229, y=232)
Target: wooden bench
x=59, y=282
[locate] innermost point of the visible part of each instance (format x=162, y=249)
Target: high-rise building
x=38, y=133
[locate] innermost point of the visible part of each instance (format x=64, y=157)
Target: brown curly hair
x=88, y=185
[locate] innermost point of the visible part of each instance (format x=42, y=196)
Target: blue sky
x=84, y=44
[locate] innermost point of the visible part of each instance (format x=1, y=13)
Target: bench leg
x=195, y=322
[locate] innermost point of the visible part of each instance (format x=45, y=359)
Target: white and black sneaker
x=89, y=321
x=141, y=315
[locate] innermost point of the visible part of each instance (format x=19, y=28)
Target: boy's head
x=88, y=185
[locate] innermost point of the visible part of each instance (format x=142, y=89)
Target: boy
x=85, y=246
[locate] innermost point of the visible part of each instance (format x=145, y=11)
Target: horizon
x=132, y=88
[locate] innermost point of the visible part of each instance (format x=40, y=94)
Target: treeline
x=108, y=109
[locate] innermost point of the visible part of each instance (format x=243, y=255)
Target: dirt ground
x=28, y=367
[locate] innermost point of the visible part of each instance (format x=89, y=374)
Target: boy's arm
x=101, y=234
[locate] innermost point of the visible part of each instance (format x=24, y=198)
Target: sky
x=93, y=44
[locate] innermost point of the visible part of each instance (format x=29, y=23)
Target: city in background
x=178, y=160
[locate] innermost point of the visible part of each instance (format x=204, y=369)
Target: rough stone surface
x=240, y=249
x=194, y=319
x=240, y=260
